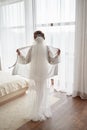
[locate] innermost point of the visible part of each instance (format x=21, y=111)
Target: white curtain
x=0, y=57
x=18, y=20
x=16, y=28
x=80, y=74
x=0, y=63
x=57, y=20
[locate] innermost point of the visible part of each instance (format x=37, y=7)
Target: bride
x=43, y=64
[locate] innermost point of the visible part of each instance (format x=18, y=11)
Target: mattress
x=11, y=83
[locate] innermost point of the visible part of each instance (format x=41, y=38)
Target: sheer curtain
x=16, y=28
x=80, y=74
x=0, y=57
x=57, y=20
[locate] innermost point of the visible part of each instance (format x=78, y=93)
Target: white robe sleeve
x=24, y=59
x=53, y=57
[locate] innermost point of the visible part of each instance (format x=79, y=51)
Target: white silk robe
x=51, y=59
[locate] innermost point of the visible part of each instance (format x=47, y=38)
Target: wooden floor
x=68, y=114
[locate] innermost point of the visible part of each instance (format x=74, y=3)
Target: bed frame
x=12, y=96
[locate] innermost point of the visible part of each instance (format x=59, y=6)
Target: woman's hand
x=59, y=51
x=18, y=52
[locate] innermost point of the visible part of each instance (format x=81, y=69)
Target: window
x=12, y=30
x=13, y=17
x=56, y=18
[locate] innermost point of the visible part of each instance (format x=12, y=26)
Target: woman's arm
x=22, y=59
x=53, y=55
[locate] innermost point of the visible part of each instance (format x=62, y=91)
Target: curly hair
x=39, y=33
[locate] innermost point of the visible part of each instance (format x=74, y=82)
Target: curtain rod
x=56, y=24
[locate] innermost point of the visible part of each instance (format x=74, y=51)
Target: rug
x=13, y=113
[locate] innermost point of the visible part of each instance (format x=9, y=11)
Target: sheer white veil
x=39, y=62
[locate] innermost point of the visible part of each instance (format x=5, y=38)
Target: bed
x=11, y=86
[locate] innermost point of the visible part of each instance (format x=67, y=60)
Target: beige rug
x=13, y=113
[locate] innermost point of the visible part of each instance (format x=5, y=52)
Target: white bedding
x=11, y=83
